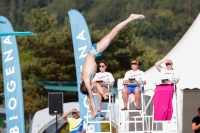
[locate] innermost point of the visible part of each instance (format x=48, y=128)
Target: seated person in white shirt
x=103, y=77
x=137, y=75
x=167, y=73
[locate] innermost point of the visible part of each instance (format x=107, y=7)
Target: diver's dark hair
x=83, y=88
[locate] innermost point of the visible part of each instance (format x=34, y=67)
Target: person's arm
x=144, y=82
x=176, y=80
x=95, y=78
x=158, y=65
x=84, y=131
x=64, y=116
x=112, y=80
x=143, y=78
x=126, y=81
x=194, y=126
x=177, y=77
x=137, y=82
x=93, y=84
x=112, y=83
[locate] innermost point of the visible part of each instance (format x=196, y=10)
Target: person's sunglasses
x=101, y=66
x=168, y=64
x=133, y=63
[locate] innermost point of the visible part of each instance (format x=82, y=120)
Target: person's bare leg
x=99, y=101
x=125, y=93
x=105, y=42
x=100, y=96
x=105, y=90
x=100, y=89
x=137, y=97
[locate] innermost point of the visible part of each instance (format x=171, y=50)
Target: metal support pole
x=56, y=124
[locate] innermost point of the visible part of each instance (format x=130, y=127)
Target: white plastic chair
x=110, y=95
x=124, y=118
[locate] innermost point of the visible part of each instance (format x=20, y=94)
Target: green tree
x=51, y=48
x=180, y=14
x=162, y=30
x=45, y=57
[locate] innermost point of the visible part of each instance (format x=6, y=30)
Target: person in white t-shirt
x=102, y=77
x=168, y=73
x=76, y=124
x=138, y=78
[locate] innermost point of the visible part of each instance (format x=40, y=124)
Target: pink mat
x=162, y=102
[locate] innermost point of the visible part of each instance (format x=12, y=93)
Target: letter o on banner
x=91, y=128
x=15, y=129
x=9, y=103
x=85, y=103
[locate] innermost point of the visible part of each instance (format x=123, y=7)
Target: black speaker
x=55, y=103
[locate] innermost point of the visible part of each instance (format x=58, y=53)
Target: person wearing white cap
x=162, y=99
x=76, y=124
x=167, y=73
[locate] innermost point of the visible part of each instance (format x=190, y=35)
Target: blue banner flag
x=12, y=80
x=81, y=45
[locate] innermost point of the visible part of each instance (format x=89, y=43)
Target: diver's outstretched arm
x=91, y=100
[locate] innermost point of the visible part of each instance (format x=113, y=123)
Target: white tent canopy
x=186, y=60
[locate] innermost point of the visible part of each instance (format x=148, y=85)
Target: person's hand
x=125, y=82
x=104, y=82
x=166, y=60
x=73, y=111
x=131, y=81
x=135, y=81
x=169, y=81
